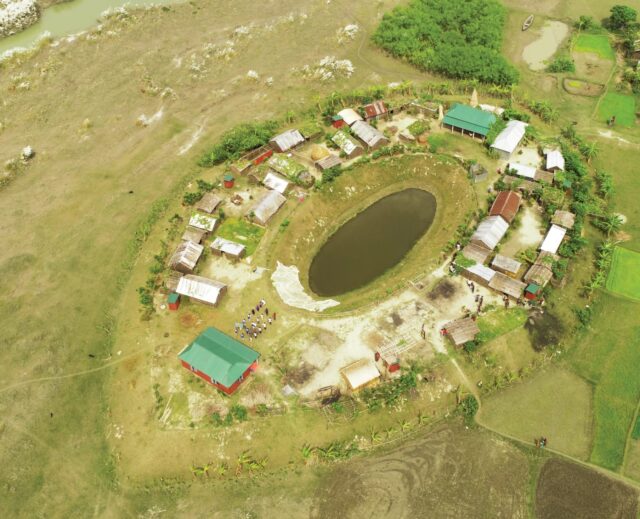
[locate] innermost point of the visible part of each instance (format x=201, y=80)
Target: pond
x=68, y=18
x=372, y=242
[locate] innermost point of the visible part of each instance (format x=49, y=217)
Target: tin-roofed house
x=286, y=166
x=506, y=265
x=228, y=248
x=468, y=121
x=462, y=331
x=286, y=141
x=506, y=285
x=541, y=272
x=266, y=207
x=508, y=139
x=479, y=274
x=201, y=289
x=186, y=256
x=277, y=183
x=490, y=232
x=328, y=162
x=375, y=110
x=506, y=205
x=554, y=160
x=553, y=239
x=203, y=222
x=193, y=234
x=347, y=145
x=477, y=253
x=209, y=203
x=219, y=360
x=371, y=136
x=349, y=116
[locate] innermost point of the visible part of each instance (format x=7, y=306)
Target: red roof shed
x=375, y=109
x=506, y=205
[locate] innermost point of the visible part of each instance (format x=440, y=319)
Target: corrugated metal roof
x=204, y=222
x=268, y=206
x=287, y=140
x=200, y=288
x=564, y=219
x=462, y=330
x=470, y=119
x=275, y=182
x=329, y=162
x=349, y=116
x=555, y=160
x=506, y=285
x=506, y=205
x=368, y=134
x=509, y=138
x=345, y=143
x=219, y=356
x=375, y=109
x=506, y=263
x=186, y=255
x=475, y=252
x=208, y=203
x=522, y=170
x=228, y=246
x=490, y=231
x=481, y=271
x=553, y=239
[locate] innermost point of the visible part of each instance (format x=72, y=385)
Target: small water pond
x=372, y=242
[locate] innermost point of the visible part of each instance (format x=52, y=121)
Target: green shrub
x=192, y=198
x=238, y=140
x=460, y=40
x=562, y=64
x=239, y=412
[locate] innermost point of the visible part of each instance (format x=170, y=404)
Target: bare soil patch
x=566, y=490
x=592, y=67
x=580, y=87
x=452, y=472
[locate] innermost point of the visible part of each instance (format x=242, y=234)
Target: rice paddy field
x=624, y=276
x=596, y=43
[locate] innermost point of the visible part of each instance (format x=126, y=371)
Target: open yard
x=241, y=231
x=624, y=276
x=554, y=403
x=623, y=106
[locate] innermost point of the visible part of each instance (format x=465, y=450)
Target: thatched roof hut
x=186, y=256
x=208, y=203
x=462, y=331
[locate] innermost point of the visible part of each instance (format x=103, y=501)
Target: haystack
x=318, y=152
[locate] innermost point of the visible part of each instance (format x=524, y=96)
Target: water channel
x=372, y=242
x=68, y=18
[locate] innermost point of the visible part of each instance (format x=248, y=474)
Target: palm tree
x=590, y=151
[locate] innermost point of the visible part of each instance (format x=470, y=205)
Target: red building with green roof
x=219, y=359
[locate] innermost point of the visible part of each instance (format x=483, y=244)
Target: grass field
x=609, y=356
x=555, y=403
x=624, y=276
x=500, y=322
x=621, y=105
x=241, y=231
x=596, y=43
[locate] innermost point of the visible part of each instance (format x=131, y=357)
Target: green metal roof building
x=468, y=119
x=219, y=359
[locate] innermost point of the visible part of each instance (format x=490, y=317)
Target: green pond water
x=68, y=18
x=372, y=242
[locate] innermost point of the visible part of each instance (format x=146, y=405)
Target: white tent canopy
x=553, y=239
x=490, y=231
x=509, y=138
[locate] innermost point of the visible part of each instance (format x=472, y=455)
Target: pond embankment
x=17, y=15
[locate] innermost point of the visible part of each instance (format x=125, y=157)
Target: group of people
x=256, y=322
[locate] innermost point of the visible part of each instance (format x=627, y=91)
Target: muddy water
x=68, y=18
x=538, y=52
x=372, y=242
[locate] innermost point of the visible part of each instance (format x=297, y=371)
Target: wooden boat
x=527, y=23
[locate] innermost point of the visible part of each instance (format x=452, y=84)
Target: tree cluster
x=460, y=40
x=238, y=140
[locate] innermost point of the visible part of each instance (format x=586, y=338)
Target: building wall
x=227, y=390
